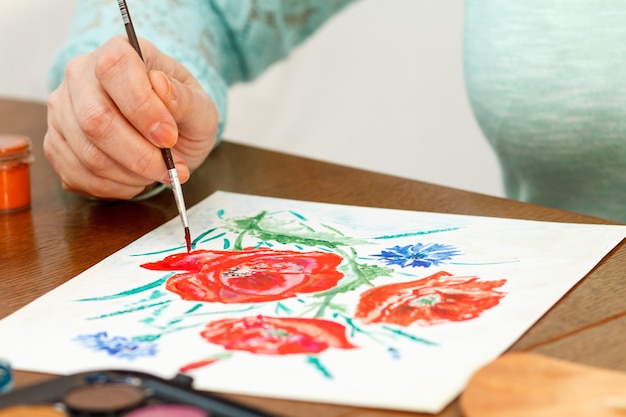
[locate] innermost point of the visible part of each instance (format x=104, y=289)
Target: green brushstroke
x=314, y=360
x=426, y=300
x=214, y=237
x=298, y=215
x=238, y=311
x=245, y=226
x=155, y=337
x=170, y=329
x=353, y=327
x=130, y=292
x=395, y=353
x=157, y=294
x=221, y=356
x=282, y=308
x=307, y=227
x=419, y=233
x=318, y=309
x=154, y=316
x=357, y=273
x=185, y=314
x=410, y=336
x=202, y=235
x=318, y=239
x=218, y=356
x=130, y=310
x=332, y=229
x=323, y=305
x=195, y=308
x=159, y=252
x=263, y=227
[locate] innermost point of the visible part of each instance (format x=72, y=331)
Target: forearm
x=219, y=41
x=258, y=33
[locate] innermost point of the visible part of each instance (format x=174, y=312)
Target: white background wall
x=379, y=87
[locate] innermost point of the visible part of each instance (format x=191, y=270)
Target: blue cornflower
x=119, y=346
x=420, y=254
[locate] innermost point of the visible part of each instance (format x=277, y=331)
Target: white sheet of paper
x=293, y=325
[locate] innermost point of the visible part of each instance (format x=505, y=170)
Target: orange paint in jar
x=15, y=161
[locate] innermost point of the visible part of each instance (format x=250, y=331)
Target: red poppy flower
x=439, y=298
x=248, y=276
x=276, y=335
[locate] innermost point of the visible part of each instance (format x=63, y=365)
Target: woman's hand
x=112, y=113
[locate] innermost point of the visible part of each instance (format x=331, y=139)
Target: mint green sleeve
x=220, y=42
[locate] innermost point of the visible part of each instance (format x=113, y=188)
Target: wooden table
x=63, y=234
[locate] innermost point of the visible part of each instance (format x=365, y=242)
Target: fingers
x=194, y=112
x=187, y=104
x=109, y=118
x=126, y=112
x=115, y=110
x=123, y=75
x=91, y=144
x=82, y=167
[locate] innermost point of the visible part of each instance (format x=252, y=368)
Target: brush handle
x=128, y=25
x=167, y=154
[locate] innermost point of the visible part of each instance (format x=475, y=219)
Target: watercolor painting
x=309, y=301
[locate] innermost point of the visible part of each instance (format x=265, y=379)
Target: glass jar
x=15, y=161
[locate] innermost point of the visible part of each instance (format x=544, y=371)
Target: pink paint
x=168, y=410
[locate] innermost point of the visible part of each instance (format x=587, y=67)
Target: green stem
x=253, y=224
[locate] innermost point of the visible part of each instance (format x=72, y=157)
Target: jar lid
x=13, y=147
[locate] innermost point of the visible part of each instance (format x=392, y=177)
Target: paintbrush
x=167, y=154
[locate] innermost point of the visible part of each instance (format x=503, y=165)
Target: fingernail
x=163, y=134
x=162, y=85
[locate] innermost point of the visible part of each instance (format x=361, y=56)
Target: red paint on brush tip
x=188, y=239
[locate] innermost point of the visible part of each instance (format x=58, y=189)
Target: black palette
x=116, y=393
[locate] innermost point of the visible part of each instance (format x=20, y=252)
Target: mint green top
x=544, y=77
x=547, y=82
